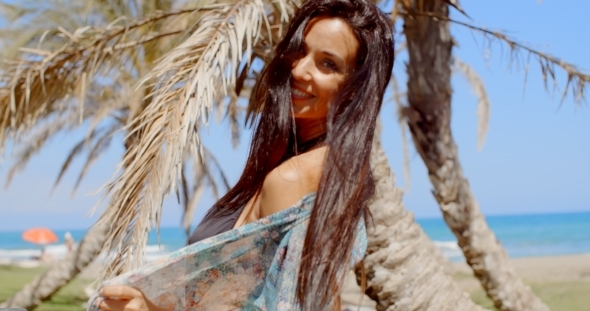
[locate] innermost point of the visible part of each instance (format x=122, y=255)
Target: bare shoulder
x=290, y=181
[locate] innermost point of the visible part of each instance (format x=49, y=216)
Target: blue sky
x=536, y=158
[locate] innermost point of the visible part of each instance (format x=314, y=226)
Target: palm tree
x=106, y=109
x=404, y=269
x=206, y=55
x=50, y=282
x=428, y=116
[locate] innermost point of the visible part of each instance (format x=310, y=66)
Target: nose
x=301, y=69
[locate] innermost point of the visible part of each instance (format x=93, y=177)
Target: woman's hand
x=125, y=298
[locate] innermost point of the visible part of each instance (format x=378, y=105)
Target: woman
x=318, y=101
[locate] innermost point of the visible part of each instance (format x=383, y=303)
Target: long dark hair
x=346, y=184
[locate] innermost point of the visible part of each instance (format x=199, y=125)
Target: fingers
x=122, y=298
x=122, y=292
x=121, y=305
x=112, y=304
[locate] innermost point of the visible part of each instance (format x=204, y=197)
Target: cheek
x=328, y=88
x=328, y=91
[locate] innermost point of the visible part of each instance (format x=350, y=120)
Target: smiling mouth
x=300, y=94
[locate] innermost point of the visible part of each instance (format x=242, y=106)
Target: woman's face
x=328, y=56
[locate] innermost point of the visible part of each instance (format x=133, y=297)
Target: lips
x=299, y=94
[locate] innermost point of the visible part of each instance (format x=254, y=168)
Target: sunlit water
x=521, y=236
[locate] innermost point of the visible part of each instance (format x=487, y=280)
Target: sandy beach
x=552, y=268
x=563, y=282
x=549, y=272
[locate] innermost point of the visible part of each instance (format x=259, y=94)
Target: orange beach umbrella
x=40, y=236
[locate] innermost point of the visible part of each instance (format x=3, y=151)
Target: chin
x=299, y=112
x=300, y=116
x=306, y=113
x=308, y=116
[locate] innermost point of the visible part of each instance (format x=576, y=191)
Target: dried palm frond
x=42, y=81
x=203, y=176
x=30, y=22
x=190, y=205
x=101, y=144
x=66, y=122
x=35, y=143
x=457, y=6
x=190, y=79
x=577, y=81
x=102, y=108
x=233, y=111
x=208, y=166
x=74, y=152
x=483, y=102
x=401, y=6
x=397, y=4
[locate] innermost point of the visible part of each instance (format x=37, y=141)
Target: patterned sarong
x=253, y=267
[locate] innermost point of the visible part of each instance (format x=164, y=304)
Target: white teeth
x=299, y=93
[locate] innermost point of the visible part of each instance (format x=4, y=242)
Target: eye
x=330, y=65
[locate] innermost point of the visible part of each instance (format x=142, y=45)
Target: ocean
x=521, y=236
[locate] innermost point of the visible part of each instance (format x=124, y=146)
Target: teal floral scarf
x=253, y=267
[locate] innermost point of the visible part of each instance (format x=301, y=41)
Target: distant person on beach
x=286, y=235
x=69, y=241
x=45, y=257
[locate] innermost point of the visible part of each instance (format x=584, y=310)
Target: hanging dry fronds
x=483, y=101
x=202, y=176
x=105, y=107
x=190, y=80
x=101, y=144
x=395, y=10
x=457, y=6
x=577, y=81
x=190, y=198
x=34, y=144
x=99, y=107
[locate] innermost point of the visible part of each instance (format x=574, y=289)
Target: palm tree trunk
x=403, y=267
x=429, y=116
x=62, y=272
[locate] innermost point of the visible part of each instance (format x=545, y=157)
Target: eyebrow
x=338, y=58
x=335, y=56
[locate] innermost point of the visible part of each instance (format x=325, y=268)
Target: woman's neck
x=310, y=128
